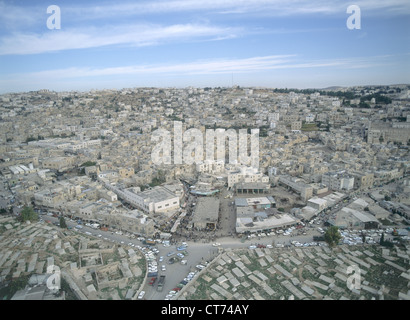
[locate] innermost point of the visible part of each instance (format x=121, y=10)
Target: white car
x=163, y=267
x=269, y=246
x=141, y=295
x=216, y=244
x=252, y=247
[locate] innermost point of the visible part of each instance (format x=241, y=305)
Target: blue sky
x=180, y=43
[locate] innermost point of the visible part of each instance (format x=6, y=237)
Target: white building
x=317, y=203
x=310, y=118
x=246, y=174
x=338, y=181
x=211, y=166
x=156, y=200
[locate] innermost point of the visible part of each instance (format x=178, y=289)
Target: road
x=198, y=252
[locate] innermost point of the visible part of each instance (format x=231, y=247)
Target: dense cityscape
x=87, y=213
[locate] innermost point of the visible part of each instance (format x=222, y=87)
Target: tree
x=62, y=223
x=28, y=214
x=332, y=236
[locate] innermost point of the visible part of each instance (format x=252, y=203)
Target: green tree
x=28, y=214
x=88, y=164
x=62, y=223
x=332, y=236
x=382, y=239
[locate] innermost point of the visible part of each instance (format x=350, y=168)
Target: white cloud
x=265, y=7
x=254, y=71
x=211, y=67
x=131, y=35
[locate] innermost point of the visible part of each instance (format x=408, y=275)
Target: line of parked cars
x=308, y=244
x=254, y=246
x=185, y=281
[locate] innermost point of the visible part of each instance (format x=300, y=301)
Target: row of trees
x=28, y=214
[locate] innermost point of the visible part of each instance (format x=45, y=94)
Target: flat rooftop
x=157, y=194
x=207, y=209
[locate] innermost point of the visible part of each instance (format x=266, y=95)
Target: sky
x=202, y=43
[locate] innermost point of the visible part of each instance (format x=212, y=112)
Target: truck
x=318, y=238
x=152, y=274
x=152, y=281
x=161, y=282
x=149, y=241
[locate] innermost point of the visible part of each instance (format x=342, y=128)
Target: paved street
x=198, y=250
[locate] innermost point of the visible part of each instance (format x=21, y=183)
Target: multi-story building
x=338, y=181
x=210, y=166
x=156, y=200
x=384, y=133
x=363, y=180
x=247, y=175
x=303, y=189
